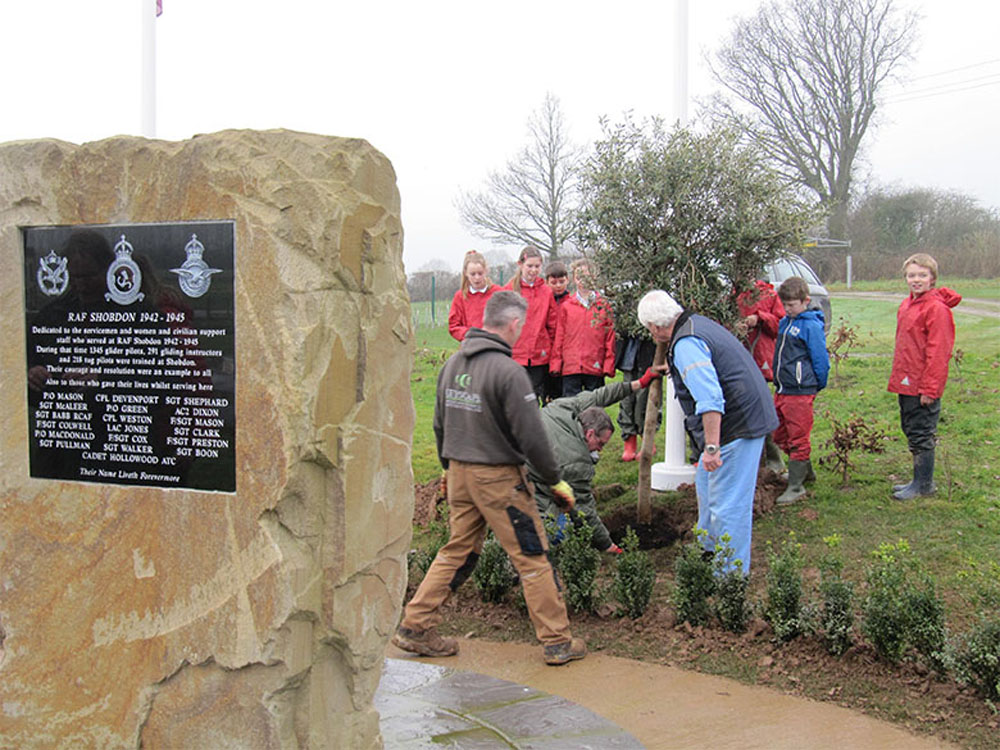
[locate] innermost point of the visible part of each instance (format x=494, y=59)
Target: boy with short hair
x=925, y=337
x=801, y=365
x=557, y=277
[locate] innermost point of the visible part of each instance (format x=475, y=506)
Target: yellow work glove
x=564, y=495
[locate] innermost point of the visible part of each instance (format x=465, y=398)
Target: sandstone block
x=139, y=616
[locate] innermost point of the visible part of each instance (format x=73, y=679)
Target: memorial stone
x=205, y=484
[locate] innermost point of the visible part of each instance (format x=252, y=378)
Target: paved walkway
x=501, y=695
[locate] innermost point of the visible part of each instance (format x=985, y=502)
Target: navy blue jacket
x=749, y=407
x=801, y=363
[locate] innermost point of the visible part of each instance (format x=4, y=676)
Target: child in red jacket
x=761, y=310
x=584, y=349
x=557, y=277
x=469, y=302
x=534, y=348
x=925, y=336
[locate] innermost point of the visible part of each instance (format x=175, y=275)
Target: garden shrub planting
x=494, y=574
x=836, y=610
x=634, y=577
x=578, y=562
x=731, y=604
x=694, y=582
x=784, y=601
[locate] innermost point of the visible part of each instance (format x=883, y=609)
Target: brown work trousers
x=501, y=496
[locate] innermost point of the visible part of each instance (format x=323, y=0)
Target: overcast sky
x=444, y=89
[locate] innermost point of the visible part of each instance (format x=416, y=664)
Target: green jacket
x=565, y=434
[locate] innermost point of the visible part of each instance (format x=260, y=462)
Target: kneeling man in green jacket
x=578, y=428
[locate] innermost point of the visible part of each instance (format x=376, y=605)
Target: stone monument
x=144, y=615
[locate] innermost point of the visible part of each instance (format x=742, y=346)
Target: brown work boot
x=424, y=642
x=567, y=651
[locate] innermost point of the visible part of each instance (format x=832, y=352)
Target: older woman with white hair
x=728, y=412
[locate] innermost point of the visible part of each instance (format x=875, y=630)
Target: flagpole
x=675, y=470
x=149, y=68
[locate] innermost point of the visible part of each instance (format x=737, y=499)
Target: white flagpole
x=674, y=470
x=149, y=68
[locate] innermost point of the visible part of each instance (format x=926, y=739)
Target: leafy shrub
x=494, y=574
x=731, y=605
x=420, y=558
x=836, y=615
x=925, y=629
x=578, y=562
x=897, y=612
x=694, y=582
x=883, y=611
x=975, y=657
x=783, y=606
x=634, y=577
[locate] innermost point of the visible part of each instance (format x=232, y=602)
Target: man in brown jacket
x=487, y=425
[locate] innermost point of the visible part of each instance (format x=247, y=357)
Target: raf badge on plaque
x=195, y=275
x=124, y=276
x=53, y=278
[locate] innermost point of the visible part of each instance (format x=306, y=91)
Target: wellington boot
x=630, y=448
x=810, y=474
x=796, y=478
x=923, y=478
x=772, y=456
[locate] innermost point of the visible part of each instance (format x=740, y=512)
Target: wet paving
x=502, y=695
x=428, y=706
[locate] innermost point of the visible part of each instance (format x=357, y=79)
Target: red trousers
x=795, y=414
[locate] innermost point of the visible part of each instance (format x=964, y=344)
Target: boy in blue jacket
x=801, y=365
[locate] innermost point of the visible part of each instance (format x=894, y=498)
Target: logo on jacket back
x=459, y=398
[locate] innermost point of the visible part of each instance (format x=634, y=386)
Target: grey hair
x=596, y=419
x=658, y=308
x=503, y=307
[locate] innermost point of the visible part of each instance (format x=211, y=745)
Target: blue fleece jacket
x=801, y=362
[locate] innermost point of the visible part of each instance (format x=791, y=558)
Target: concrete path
x=664, y=707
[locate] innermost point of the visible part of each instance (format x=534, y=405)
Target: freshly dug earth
x=906, y=694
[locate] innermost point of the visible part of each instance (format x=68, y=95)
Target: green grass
x=982, y=288
x=958, y=527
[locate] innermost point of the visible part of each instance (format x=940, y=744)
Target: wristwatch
x=711, y=449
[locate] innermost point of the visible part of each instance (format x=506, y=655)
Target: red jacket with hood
x=585, y=339
x=766, y=305
x=467, y=311
x=925, y=336
x=534, y=347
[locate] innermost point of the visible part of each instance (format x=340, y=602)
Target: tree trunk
x=645, y=491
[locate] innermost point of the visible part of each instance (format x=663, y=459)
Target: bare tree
x=805, y=76
x=533, y=200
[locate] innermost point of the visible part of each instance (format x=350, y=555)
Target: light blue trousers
x=725, y=496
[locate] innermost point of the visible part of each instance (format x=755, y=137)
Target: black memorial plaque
x=131, y=354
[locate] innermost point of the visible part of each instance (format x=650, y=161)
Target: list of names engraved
x=143, y=395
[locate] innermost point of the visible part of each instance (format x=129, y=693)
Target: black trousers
x=538, y=373
x=919, y=422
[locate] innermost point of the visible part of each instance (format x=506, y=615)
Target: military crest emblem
x=52, y=275
x=124, y=277
x=194, y=276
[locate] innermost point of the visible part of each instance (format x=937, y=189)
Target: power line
x=955, y=70
x=942, y=93
x=946, y=86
